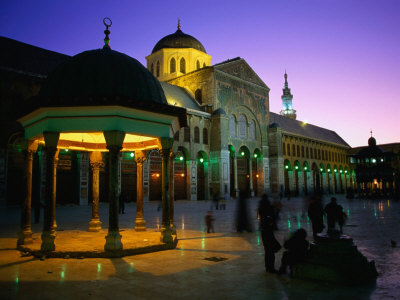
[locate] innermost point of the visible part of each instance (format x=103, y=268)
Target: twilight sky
x=342, y=56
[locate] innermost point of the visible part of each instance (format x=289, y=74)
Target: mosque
x=230, y=141
x=99, y=126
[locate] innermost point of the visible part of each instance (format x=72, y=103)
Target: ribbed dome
x=101, y=77
x=179, y=40
x=371, y=141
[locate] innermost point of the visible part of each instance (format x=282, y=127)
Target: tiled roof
x=306, y=130
x=27, y=59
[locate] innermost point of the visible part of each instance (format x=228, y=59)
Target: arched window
x=205, y=136
x=298, y=151
x=307, y=153
x=183, y=66
x=302, y=151
x=172, y=66
x=232, y=126
x=204, y=65
x=242, y=127
x=284, y=149
x=288, y=149
x=319, y=154
x=293, y=150
x=196, y=135
x=252, y=130
x=152, y=68
x=197, y=65
x=158, y=69
x=186, y=134
x=176, y=136
x=311, y=153
x=197, y=95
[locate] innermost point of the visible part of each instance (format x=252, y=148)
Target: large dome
x=101, y=77
x=179, y=40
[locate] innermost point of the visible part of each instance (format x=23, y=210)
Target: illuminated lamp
x=201, y=160
x=305, y=168
x=345, y=171
x=180, y=158
x=257, y=175
x=242, y=153
x=66, y=150
x=247, y=176
x=329, y=170
x=182, y=175
x=286, y=167
x=373, y=160
x=132, y=154
x=255, y=155
x=157, y=175
x=296, y=167
x=341, y=171
x=321, y=169
x=335, y=170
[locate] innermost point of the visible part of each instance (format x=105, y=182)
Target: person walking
x=266, y=213
x=331, y=210
x=209, y=220
x=316, y=215
x=242, y=218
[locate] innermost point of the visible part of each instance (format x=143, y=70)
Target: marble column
x=171, y=193
x=166, y=232
x=49, y=223
x=95, y=163
x=235, y=176
x=140, y=223
x=114, y=140
x=251, y=177
x=25, y=235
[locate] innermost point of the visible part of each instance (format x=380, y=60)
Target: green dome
x=101, y=77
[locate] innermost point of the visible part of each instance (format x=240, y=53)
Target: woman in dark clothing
x=297, y=249
x=242, y=220
x=316, y=215
x=267, y=214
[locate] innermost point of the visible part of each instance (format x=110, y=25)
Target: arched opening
x=232, y=170
x=243, y=175
x=152, y=68
x=204, y=65
x=180, y=174
x=155, y=188
x=198, y=96
x=287, y=174
x=316, y=178
x=242, y=124
x=158, y=69
x=183, y=66
x=232, y=126
x=186, y=134
x=128, y=176
x=256, y=172
x=205, y=136
x=306, y=174
x=196, y=135
x=202, y=170
x=197, y=65
x=172, y=66
x=296, y=179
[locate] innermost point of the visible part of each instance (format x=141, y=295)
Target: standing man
x=271, y=245
x=331, y=210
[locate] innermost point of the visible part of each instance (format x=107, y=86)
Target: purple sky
x=342, y=56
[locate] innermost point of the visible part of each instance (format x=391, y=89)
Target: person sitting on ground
x=297, y=250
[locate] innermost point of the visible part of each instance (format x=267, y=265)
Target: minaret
x=287, y=98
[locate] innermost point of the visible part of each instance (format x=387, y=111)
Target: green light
x=296, y=167
x=335, y=170
x=201, y=160
x=341, y=171
x=321, y=169
x=98, y=268
x=66, y=150
x=132, y=154
x=242, y=153
x=62, y=275
x=345, y=171
x=255, y=155
x=181, y=158
x=305, y=168
x=286, y=167
x=329, y=170
x=373, y=160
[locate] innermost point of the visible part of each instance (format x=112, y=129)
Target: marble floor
x=221, y=265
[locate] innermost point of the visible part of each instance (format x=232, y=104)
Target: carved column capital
x=140, y=157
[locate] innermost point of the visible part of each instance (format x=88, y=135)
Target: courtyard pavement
x=221, y=265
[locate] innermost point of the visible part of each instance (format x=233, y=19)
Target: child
x=209, y=222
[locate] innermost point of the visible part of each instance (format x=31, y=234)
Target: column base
x=24, y=238
x=113, y=241
x=48, y=244
x=237, y=191
x=94, y=225
x=140, y=224
x=251, y=193
x=167, y=236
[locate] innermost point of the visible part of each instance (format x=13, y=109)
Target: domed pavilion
x=99, y=101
